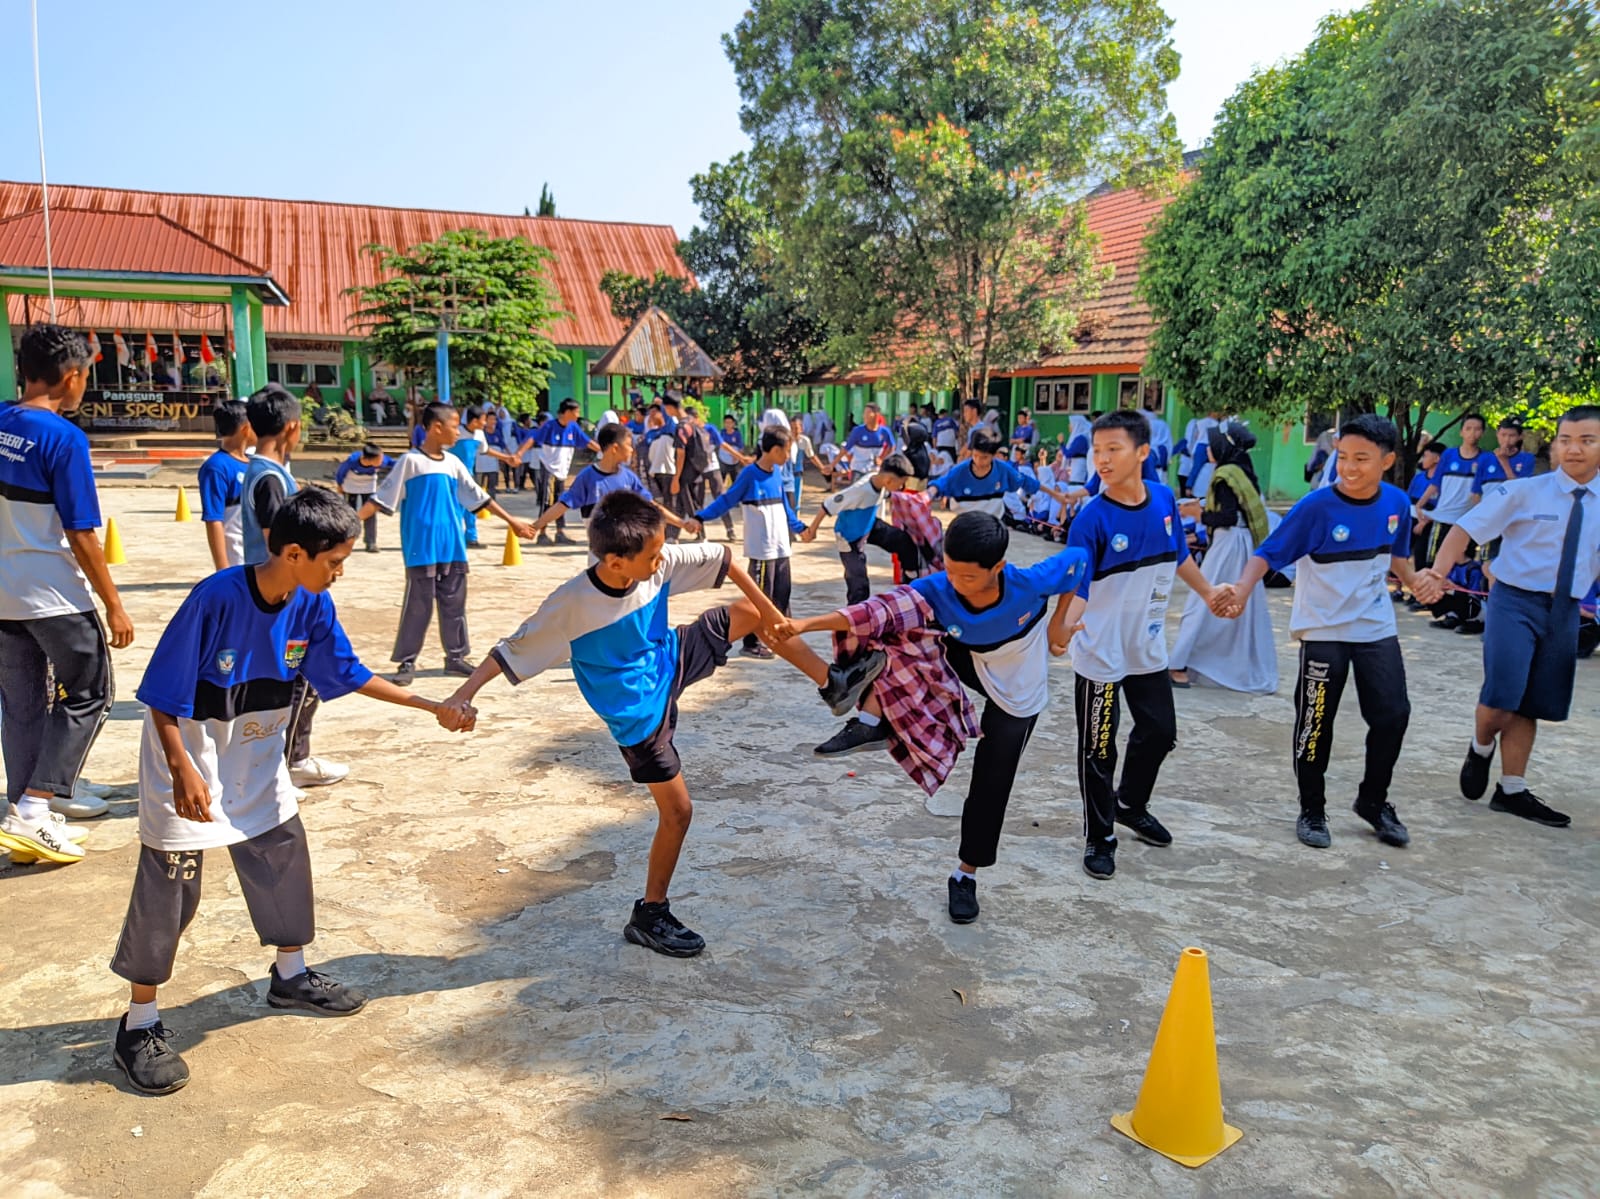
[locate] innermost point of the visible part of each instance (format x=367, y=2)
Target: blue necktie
x=1569, y=546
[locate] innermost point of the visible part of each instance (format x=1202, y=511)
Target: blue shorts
x=1530, y=653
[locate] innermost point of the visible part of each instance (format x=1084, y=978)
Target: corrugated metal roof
x=141, y=243
x=316, y=250
x=655, y=347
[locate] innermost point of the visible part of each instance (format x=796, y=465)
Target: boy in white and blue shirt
x=1451, y=487
x=357, y=478
x=221, y=484
x=981, y=482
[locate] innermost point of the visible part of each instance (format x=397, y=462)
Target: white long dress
x=1237, y=654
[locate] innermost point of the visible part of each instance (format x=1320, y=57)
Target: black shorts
x=702, y=647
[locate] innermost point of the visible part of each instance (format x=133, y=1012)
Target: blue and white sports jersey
x=1134, y=555
x=1454, y=476
x=256, y=474
x=945, y=430
x=1341, y=548
x=467, y=447
x=221, y=488
x=769, y=518
x=865, y=446
x=1492, y=470
x=624, y=653
x=429, y=494
x=225, y=667
x=1025, y=435
x=855, y=510
x=593, y=485
x=353, y=477
x=971, y=492
x=557, y=444
x=1147, y=472
x=1009, y=640
x=46, y=488
x=1420, y=482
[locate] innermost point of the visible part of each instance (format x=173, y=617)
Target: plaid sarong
x=913, y=512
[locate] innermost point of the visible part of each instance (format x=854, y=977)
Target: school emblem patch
x=1119, y=542
x=1341, y=533
x=954, y=631
x=1394, y=523
x=294, y=653
x=226, y=660
x=1167, y=521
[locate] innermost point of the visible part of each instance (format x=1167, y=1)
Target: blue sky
x=470, y=105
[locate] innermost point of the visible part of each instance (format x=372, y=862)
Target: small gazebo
x=654, y=347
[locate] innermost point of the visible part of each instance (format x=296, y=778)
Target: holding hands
x=524, y=529
x=1225, y=602
x=457, y=716
x=1428, y=585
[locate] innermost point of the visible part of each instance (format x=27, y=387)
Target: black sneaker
x=1100, y=858
x=313, y=992
x=542, y=539
x=655, y=927
x=1527, y=805
x=563, y=539
x=1448, y=621
x=1475, y=774
x=1312, y=829
x=759, y=651
x=963, y=900
x=846, y=683
x=1144, y=826
x=152, y=1066
x=853, y=738
x=460, y=666
x=405, y=673
x=1470, y=628
x=1385, y=823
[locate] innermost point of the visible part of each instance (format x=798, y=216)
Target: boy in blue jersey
x=218, y=697
x=357, y=478
x=559, y=439
x=981, y=482
x=222, y=484
x=769, y=519
x=632, y=667
x=610, y=472
x=1133, y=536
x=429, y=487
x=50, y=558
x=1344, y=541
x=1509, y=460
x=1450, y=490
x=869, y=443
x=469, y=443
x=1420, y=515
x=992, y=616
x=859, y=513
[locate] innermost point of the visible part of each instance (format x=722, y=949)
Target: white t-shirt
x=46, y=487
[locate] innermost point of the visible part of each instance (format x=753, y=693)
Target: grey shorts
x=702, y=647
x=274, y=872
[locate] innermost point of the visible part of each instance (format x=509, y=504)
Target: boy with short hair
x=869, y=444
x=221, y=484
x=981, y=482
x=610, y=472
x=611, y=623
x=1133, y=536
x=357, y=478
x=859, y=513
x=429, y=487
x=1345, y=540
x=218, y=699
x=1450, y=487
x=559, y=439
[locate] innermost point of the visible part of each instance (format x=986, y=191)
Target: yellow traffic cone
x=513, y=550
x=113, y=546
x=183, y=506
x=1179, y=1110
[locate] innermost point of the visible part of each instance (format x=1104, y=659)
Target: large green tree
x=924, y=163
x=493, y=295
x=1398, y=218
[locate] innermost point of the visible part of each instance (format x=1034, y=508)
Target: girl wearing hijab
x=1239, y=655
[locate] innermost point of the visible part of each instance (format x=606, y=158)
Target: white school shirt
x=1530, y=517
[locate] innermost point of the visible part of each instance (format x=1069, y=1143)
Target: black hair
x=610, y=434
x=1374, y=428
x=977, y=538
x=730, y=417
x=1579, y=412
x=1477, y=416
x=1023, y=412
x=623, y=524
x=672, y=402
x=48, y=352
x=435, y=414
x=314, y=519
x=973, y=404
x=1130, y=422
x=1510, y=422
x=1435, y=447
x=372, y=450
x=689, y=409
x=228, y=417
x=984, y=444
x=898, y=464
x=773, y=437
x=272, y=409
x=471, y=413
x=567, y=405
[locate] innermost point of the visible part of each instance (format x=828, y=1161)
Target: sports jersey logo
x=294, y=653
x=1152, y=631
x=1341, y=533
x=1394, y=523
x=955, y=631
x=226, y=659
x=1167, y=521
x=1119, y=542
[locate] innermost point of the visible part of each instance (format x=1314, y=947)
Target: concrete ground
x=1415, y=1021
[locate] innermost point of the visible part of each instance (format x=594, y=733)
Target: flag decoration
x=94, y=346
x=150, y=352
x=177, y=351
x=206, y=356
x=123, y=357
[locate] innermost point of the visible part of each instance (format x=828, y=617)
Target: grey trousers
x=661, y=488
x=303, y=704
x=444, y=586
x=47, y=729
x=274, y=872
x=369, y=527
x=715, y=486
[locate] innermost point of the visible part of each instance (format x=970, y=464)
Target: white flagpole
x=44, y=185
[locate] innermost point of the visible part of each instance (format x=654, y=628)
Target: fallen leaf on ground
x=960, y=994
x=682, y=1117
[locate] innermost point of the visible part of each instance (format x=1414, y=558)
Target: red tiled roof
x=315, y=251
x=140, y=243
x=656, y=348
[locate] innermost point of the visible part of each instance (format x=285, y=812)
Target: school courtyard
x=1416, y=1021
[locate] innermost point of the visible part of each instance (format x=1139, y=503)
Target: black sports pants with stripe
x=772, y=575
x=1380, y=690
x=994, y=765
x=55, y=692
x=1155, y=732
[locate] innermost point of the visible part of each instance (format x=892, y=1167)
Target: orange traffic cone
x=183, y=506
x=513, y=550
x=113, y=545
x=1179, y=1110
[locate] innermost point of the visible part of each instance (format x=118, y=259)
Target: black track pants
x=1381, y=692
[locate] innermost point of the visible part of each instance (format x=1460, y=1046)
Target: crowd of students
x=243, y=663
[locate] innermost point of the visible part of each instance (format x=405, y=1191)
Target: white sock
x=143, y=1015
x=1512, y=784
x=868, y=719
x=1483, y=751
x=291, y=965
x=33, y=809
x=958, y=874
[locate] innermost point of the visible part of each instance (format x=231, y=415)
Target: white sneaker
x=98, y=790
x=316, y=772
x=45, y=839
x=75, y=833
x=80, y=807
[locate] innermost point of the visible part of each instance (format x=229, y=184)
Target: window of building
x=1140, y=391
x=325, y=374
x=274, y=372
x=1062, y=395
x=599, y=384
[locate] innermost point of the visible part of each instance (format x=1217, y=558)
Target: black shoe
x=1144, y=826
x=1448, y=621
x=1470, y=627
x=1414, y=605
x=846, y=683
x=1100, y=857
x=655, y=927
x=1475, y=774
x=759, y=651
x=542, y=539
x=853, y=738
x=474, y=545
x=372, y=549
x=963, y=900
x=313, y=992
x=152, y=1066
x=1312, y=829
x=405, y=673
x=1527, y=805
x=460, y=666
x=1385, y=823
x=563, y=539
